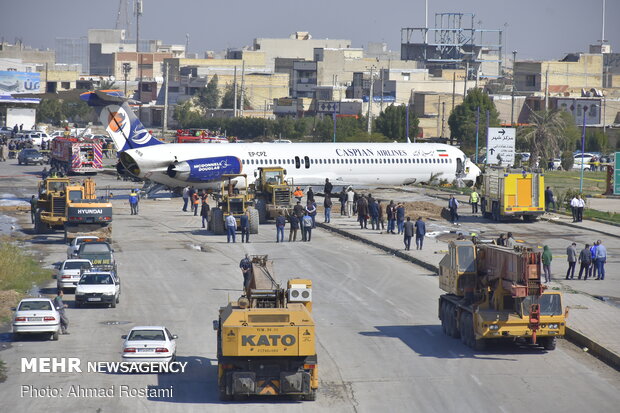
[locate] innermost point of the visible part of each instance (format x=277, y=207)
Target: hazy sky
x=535, y=28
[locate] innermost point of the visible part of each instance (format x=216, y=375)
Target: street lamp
x=126, y=70
x=514, y=80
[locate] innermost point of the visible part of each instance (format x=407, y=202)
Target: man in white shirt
x=350, y=198
x=231, y=227
x=581, y=204
x=574, y=204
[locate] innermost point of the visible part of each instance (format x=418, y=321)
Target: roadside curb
x=568, y=224
x=575, y=337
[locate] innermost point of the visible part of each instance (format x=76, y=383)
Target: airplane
x=203, y=166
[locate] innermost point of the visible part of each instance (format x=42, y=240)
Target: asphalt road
x=380, y=344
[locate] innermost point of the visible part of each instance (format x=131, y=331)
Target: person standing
x=327, y=205
x=350, y=199
x=453, y=206
x=549, y=200
x=204, y=212
x=390, y=211
x=327, y=188
x=571, y=254
x=310, y=194
x=593, y=269
x=311, y=210
x=33, y=208
x=293, y=227
x=60, y=307
x=581, y=204
x=298, y=210
x=185, y=198
x=601, y=258
x=306, y=223
x=373, y=210
x=195, y=202
x=400, y=217
x=362, y=212
x=246, y=269
x=280, y=224
x=585, y=260
x=501, y=240
x=244, y=225
x=420, y=232
x=381, y=220
x=298, y=194
x=231, y=227
x=133, y=201
x=474, y=198
x=574, y=205
x=510, y=241
x=343, y=202
x=408, y=230
x=547, y=257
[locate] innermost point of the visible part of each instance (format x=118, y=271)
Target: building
x=27, y=54
x=73, y=52
x=300, y=45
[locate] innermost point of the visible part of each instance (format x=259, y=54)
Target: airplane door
x=459, y=166
x=297, y=163
x=307, y=162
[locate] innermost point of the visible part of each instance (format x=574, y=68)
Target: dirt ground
x=8, y=300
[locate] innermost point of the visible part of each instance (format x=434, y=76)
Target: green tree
x=546, y=135
x=209, y=97
x=228, y=99
x=392, y=123
x=50, y=111
x=186, y=115
x=77, y=110
x=462, y=120
x=106, y=85
x=596, y=141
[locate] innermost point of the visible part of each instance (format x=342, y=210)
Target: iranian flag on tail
x=442, y=152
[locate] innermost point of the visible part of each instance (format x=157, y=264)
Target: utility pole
x=138, y=14
x=370, y=99
x=235, y=93
x=334, y=119
x=407, y=123
x=453, y=88
x=477, y=131
x=126, y=70
x=443, y=118
x=242, y=94
x=466, y=76
x=166, y=77
x=547, y=88
x=381, y=90
x=514, y=81
x=583, y=147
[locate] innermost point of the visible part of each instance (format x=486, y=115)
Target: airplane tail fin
x=120, y=122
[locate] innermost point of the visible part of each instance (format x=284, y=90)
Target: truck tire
x=444, y=318
x=495, y=212
x=39, y=227
x=310, y=396
x=253, y=220
x=463, y=328
x=548, y=343
x=113, y=304
x=529, y=218
x=261, y=207
x=453, y=325
x=217, y=221
x=484, y=208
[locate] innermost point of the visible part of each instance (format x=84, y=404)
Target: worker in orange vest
x=298, y=194
x=195, y=202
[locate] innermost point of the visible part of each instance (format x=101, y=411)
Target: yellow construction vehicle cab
x=234, y=199
x=512, y=193
x=495, y=292
x=266, y=339
x=272, y=192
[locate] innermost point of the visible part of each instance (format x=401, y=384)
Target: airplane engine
x=204, y=169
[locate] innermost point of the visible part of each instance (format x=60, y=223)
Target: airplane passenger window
x=433, y=160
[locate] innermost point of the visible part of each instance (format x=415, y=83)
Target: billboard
x=19, y=82
x=501, y=146
x=575, y=108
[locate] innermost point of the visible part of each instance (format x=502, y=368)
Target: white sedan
x=35, y=316
x=70, y=272
x=146, y=344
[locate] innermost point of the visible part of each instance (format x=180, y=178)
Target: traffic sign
x=617, y=174
x=501, y=146
x=328, y=107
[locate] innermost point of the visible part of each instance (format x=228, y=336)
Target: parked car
x=38, y=138
x=35, y=316
x=6, y=131
x=98, y=288
x=70, y=273
x=587, y=157
x=30, y=155
x=147, y=344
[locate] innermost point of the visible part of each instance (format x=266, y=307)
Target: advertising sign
x=501, y=146
x=19, y=82
x=576, y=106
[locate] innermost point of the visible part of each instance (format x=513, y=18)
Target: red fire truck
x=76, y=155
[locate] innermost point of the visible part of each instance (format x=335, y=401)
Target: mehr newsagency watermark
x=40, y=365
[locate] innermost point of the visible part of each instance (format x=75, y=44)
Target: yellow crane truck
x=266, y=339
x=272, y=193
x=495, y=292
x=73, y=207
x=512, y=193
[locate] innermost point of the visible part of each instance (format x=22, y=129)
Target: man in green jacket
x=547, y=256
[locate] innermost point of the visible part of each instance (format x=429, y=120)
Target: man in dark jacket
x=310, y=194
x=373, y=209
x=204, y=213
x=362, y=212
x=327, y=205
x=343, y=202
x=244, y=224
x=420, y=232
x=280, y=223
x=294, y=226
x=585, y=259
x=408, y=229
x=549, y=200
x=327, y=189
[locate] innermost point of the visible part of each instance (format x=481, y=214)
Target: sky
x=536, y=29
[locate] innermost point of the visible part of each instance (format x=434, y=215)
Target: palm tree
x=106, y=85
x=545, y=134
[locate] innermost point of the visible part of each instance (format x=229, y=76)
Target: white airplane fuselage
x=305, y=163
